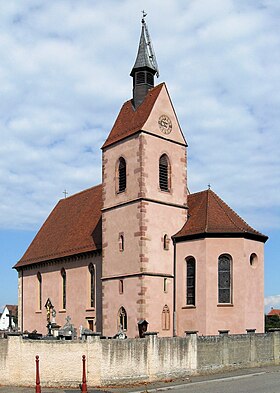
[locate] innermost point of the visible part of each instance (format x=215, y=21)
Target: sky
x=64, y=74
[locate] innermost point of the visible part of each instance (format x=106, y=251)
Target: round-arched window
x=122, y=174
x=253, y=260
x=164, y=173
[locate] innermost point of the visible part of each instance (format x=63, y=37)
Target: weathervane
x=144, y=15
x=209, y=186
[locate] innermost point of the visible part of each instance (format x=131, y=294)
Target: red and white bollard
x=38, y=385
x=84, y=384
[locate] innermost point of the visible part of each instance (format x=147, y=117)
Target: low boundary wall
x=111, y=362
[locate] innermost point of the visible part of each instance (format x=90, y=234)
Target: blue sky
x=64, y=75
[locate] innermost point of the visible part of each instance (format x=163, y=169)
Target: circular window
x=253, y=259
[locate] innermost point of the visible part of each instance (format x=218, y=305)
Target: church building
x=139, y=246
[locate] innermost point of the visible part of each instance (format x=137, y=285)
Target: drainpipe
x=174, y=290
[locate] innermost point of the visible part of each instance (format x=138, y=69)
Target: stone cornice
x=66, y=259
x=140, y=274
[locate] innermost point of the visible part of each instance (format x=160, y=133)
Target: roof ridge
x=159, y=86
x=221, y=203
x=81, y=192
x=200, y=202
x=130, y=120
x=198, y=192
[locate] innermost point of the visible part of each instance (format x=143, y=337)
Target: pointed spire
x=145, y=66
x=146, y=56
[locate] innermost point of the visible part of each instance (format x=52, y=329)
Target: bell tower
x=145, y=67
x=144, y=203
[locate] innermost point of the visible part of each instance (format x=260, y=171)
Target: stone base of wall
x=118, y=362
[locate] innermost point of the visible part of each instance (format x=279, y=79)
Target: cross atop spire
x=145, y=66
x=144, y=15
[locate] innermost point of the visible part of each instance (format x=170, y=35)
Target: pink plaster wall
x=113, y=301
x=163, y=106
x=143, y=298
x=207, y=317
x=154, y=148
x=156, y=299
x=77, y=294
x=161, y=219
x=129, y=150
x=123, y=220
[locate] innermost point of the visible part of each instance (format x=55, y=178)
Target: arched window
x=122, y=175
x=122, y=319
x=224, y=279
x=39, y=278
x=165, y=318
x=121, y=286
x=165, y=242
x=63, y=276
x=164, y=173
x=91, y=285
x=190, y=293
x=253, y=259
x=121, y=242
x=165, y=285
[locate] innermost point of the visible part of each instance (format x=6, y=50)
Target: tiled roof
x=274, y=311
x=74, y=226
x=130, y=120
x=209, y=215
x=13, y=309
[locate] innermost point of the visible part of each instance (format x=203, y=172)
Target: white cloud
x=271, y=302
x=64, y=74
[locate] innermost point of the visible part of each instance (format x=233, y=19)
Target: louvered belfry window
x=140, y=77
x=164, y=173
x=150, y=79
x=224, y=279
x=191, y=282
x=122, y=174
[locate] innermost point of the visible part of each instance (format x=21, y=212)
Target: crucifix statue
x=49, y=307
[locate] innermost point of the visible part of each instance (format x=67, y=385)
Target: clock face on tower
x=165, y=124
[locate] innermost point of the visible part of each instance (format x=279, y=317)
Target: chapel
x=141, y=247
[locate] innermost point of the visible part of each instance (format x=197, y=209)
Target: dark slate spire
x=145, y=67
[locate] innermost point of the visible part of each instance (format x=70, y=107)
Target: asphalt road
x=264, y=380
x=252, y=383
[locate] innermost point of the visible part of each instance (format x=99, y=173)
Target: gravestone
x=68, y=331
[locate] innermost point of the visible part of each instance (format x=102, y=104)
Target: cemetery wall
x=110, y=362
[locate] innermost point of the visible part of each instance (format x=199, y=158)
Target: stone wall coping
x=147, y=334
